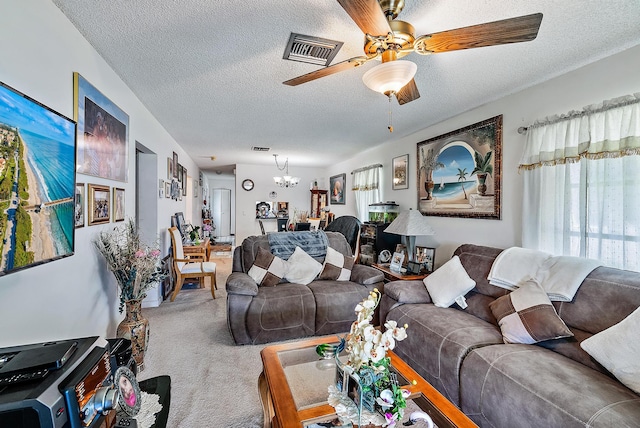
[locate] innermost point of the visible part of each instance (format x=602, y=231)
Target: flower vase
x=135, y=327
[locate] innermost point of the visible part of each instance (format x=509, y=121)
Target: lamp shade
x=410, y=223
x=390, y=76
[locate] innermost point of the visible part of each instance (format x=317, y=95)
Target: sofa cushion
x=337, y=266
x=335, y=304
x=438, y=339
x=531, y=387
x=526, y=315
x=449, y=283
x=618, y=349
x=302, y=268
x=267, y=269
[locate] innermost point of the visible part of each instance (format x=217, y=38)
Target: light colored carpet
x=213, y=381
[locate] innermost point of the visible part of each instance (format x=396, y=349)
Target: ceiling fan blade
x=327, y=71
x=367, y=15
x=513, y=30
x=408, y=93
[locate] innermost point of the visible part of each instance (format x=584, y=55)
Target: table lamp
x=410, y=224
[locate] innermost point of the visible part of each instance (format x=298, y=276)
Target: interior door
x=221, y=212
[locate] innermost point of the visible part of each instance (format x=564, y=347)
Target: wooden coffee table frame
x=280, y=409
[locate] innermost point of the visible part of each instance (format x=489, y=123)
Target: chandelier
x=287, y=180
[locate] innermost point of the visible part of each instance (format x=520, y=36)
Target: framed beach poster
x=336, y=184
x=37, y=182
x=79, y=205
x=400, y=167
x=458, y=173
x=98, y=204
x=103, y=133
x=118, y=204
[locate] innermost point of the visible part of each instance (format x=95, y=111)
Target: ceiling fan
x=389, y=39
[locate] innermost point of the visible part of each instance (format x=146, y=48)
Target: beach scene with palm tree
x=456, y=183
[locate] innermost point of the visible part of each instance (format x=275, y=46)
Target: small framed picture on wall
x=118, y=204
x=79, y=205
x=98, y=204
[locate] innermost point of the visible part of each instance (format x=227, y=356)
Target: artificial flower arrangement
x=366, y=349
x=134, y=263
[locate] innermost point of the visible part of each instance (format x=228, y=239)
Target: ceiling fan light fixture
x=390, y=77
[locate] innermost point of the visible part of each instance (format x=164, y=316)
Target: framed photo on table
x=425, y=256
x=396, y=261
x=98, y=204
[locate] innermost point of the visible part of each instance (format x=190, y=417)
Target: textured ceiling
x=211, y=71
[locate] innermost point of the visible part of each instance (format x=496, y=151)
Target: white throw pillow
x=617, y=349
x=302, y=267
x=448, y=284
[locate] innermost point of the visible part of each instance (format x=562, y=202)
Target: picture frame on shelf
x=400, y=168
x=459, y=173
x=425, y=256
x=79, y=205
x=337, y=188
x=118, y=204
x=102, y=133
x=99, y=204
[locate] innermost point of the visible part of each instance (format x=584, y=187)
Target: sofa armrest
x=407, y=291
x=241, y=283
x=366, y=275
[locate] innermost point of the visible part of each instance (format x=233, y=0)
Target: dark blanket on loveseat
x=550, y=384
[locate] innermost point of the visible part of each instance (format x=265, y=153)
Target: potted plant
x=483, y=167
x=136, y=268
x=429, y=164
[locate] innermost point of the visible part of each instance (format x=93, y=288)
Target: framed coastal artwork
x=79, y=205
x=103, y=133
x=336, y=184
x=98, y=204
x=118, y=204
x=458, y=173
x=37, y=182
x=400, y=166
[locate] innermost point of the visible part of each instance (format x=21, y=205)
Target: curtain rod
x=364, y=168
x=590, y=109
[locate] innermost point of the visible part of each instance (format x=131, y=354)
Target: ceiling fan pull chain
x=390, y=127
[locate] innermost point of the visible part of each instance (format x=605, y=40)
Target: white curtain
x=366, y=187
x=582, y=184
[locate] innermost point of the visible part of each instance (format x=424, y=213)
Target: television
x=37, y=182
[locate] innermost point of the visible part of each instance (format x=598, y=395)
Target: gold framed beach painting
x=98, y=204
x=103, y=133
x=458, y=173
x=37, y=182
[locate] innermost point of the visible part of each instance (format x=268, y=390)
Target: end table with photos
x=392, y=275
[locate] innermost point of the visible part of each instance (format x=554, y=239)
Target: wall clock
x=247, y=184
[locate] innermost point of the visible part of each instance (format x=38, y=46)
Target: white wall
x=609, y=78
x=299, y=197
x=76, y=296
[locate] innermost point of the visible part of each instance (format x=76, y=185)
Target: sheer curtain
x=582, y=184
x=366, y=187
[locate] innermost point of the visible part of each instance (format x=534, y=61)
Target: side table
x=390, y=275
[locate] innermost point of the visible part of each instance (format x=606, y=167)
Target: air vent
x=260, y=149
x=312, y=50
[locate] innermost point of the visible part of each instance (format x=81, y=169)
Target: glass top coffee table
x=294, y=387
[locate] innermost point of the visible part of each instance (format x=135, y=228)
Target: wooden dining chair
x=191, y=267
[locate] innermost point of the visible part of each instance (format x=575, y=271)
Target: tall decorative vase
x=135, y=327
x=482, y=187
x=428, y=186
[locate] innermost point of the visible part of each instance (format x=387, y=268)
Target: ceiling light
x=287, y=180
x=389, y=77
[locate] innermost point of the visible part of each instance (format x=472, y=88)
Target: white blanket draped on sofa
x=560, y=276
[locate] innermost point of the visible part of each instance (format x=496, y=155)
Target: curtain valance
x=607, y=130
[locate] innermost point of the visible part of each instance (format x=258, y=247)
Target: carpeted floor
x=214, y=383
